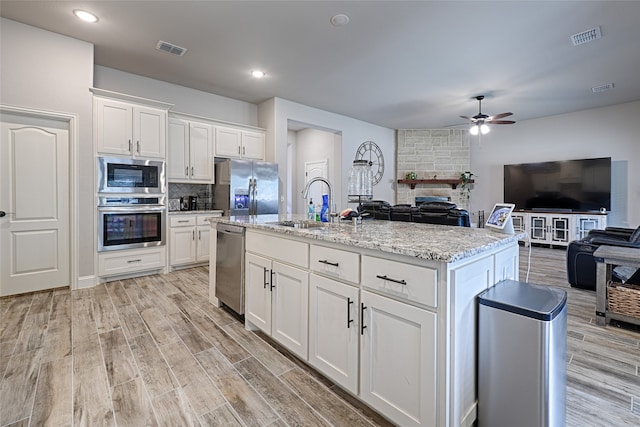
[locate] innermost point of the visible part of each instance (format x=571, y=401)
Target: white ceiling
x=398, y=64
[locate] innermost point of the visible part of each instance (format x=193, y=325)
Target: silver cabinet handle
x=193, y=235
x=191, y=171
x=186, y=171
x=138, y=145
x=199, y=235
x=130, y=146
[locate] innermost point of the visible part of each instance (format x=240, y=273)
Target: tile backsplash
x=204, y=192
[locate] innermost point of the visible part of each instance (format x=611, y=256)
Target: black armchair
x=581, y=266
x=443, y=213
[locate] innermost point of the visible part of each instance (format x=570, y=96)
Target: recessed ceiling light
x=339, y=20
x=85, y=16
x=257, y=74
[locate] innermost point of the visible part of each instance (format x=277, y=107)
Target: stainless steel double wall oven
x=131, y=203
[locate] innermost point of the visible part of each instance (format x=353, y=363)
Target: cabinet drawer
x=122, y=262
x=335, y=263
x=182, y=221
x=279, y=249
x=203, y=219
x=406, y=281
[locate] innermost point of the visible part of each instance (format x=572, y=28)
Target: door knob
x=2, y=213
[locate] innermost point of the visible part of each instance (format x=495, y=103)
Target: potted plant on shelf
x=466, y=182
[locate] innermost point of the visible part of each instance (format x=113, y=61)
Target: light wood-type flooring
x=153, y=351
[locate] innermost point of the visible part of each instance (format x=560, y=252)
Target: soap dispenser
x=311, y=214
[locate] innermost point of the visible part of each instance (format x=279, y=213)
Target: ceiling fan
x=481, y=121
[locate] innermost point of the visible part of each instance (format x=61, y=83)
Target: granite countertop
x=197, y=212
x=425, y=241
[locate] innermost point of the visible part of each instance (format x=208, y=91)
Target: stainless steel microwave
x=122, y=175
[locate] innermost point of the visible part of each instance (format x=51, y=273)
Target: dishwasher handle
x=231, y=229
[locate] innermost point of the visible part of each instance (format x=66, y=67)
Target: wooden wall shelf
x=452, y=182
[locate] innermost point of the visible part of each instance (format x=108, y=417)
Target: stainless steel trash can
x=522, y=343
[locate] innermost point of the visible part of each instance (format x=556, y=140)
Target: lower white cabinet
x=131, y=261
x=334, y=327
x=277, y=298
x=189, y=239
x=558, y=229
x=398, y=360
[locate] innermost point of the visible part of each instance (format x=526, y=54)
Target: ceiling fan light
x=484, y=129
x=474, y=130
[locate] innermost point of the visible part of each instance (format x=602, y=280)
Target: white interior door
x=312, y=170
x=34, y=193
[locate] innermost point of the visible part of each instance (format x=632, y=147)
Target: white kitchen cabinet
x=189, y=237
x=277, y=298
x=237, y=143
x=398, y=360
x=203, y=230
x=334, y=327
x=190, y=152
x=127, y=129
x=131, y=261
x=277, y=290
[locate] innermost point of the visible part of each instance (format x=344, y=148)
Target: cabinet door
x=227, y=142
x=149, y=132
x=253, y=145
x=202, y=249
x=560, y=229
x=201, y=152
x=290, y=312
x=178, y=158
x=333, y=330
x=257, y=288
x=113, y=127
x=398, y=360
x=586, y=223
x=538, y=228
x=182, y=245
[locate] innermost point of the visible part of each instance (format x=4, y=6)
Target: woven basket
x=624, y=299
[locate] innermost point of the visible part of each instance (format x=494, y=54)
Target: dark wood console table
x=606, y=257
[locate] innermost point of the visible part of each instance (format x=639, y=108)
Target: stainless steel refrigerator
x=246, y=187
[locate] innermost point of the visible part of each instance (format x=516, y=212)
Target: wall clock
x=370, y=152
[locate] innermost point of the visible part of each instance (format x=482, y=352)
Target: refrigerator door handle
x=254, y=201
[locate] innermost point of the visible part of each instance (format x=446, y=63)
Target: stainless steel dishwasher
x=230, y=266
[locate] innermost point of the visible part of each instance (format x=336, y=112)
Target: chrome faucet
x=305, y=192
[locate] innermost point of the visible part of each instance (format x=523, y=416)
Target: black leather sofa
x=581, y=266
x=442, y=213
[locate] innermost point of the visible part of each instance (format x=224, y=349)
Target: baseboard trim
x=86, y=282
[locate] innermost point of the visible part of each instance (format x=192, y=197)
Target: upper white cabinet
x=237, y=143
x=190, y=152
x=128, y=129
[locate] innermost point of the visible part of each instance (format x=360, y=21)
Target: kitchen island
x=386, y=310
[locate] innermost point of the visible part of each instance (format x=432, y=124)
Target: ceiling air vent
x=170, y=48
x=602, y=88
x=586, y=36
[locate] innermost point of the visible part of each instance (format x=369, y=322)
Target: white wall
x=47, y=71
x=274, y=114
x=315, y=145
x=184, y=99
x=602, y=132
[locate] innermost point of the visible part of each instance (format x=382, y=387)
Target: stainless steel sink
x=300, y=224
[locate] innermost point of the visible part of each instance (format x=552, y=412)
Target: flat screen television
x=567, y=185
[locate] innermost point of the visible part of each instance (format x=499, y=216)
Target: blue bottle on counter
x=324, y=212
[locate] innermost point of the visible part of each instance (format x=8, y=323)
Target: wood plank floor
x=153, y=351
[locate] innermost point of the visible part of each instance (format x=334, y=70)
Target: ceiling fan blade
x=465, y=117
x=500, y=116
x=501, y=122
